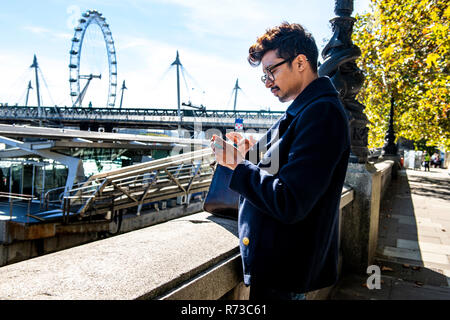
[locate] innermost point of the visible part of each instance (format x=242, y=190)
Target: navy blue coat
x=290, y=194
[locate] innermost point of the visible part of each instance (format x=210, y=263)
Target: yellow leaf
x=447, y=12
x=388, y=52
x=431, y=59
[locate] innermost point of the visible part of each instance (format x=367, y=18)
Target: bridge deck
x=134, y=117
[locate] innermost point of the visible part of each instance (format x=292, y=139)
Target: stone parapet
x=143, y=264
x=17, y=242
x=360, y=224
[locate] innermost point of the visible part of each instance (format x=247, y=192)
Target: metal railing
x=55, y=112
x=137, y=118
x=17, y=196
x=57, y=199
x=140, y=184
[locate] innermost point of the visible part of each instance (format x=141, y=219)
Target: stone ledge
x=67, y=236
x=211, y=284
x=386, y=168
x=142, y=264
x=384, y=165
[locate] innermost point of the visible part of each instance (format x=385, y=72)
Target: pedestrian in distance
x=288, y=219
x=426, y=161
x=435, y=161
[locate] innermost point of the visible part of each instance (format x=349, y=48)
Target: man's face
x=287, y=83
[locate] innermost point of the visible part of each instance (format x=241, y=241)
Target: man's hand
x=243, y=144
x=226, y=154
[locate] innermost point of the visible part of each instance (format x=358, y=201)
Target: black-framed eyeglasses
x=269, y=75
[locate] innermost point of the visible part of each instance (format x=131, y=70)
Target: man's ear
x=301, y=62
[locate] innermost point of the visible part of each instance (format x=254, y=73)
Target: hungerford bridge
x=111, y=118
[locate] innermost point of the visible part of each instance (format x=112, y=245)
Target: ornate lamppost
x=339, y=64
x=389, y=147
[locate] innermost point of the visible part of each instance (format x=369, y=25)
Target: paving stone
x=354, y=287
x=413, y=272
x=405, y=290
x=440, y=216
x=423, y=246
x=419, y=222
x=415, y=255
x=413, y=229
x=402, y=235
x=388, y=240
x=436, y=240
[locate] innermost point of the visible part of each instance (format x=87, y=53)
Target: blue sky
x=212, y=38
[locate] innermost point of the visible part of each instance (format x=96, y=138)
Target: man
x=289, y=204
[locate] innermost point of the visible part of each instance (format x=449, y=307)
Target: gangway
x=103, y=195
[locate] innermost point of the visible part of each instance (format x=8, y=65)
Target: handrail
x=61, y=111
x=47, y=194
x=18, y=196
x=165, y=178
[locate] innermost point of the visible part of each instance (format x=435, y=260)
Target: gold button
x=245, y=241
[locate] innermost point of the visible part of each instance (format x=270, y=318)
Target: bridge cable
x=185, y=83
x=231, y=96
x=196, y=83
x=22, y=96
x=14, y=87
x=161, y=78
x=46, y=86
x=250, y=99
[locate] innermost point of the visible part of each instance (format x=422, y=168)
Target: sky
x=212, y=38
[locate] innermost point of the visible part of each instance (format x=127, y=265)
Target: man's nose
x=268, y=83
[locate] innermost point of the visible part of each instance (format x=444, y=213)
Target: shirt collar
x=321, y=86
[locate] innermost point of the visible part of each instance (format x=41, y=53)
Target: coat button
x=245, y=241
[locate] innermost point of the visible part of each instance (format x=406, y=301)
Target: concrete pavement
x=413, y=251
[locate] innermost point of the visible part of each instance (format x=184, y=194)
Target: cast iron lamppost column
x=339, y=64
x=390, y=148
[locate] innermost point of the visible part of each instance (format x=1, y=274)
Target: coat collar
x=319, y=87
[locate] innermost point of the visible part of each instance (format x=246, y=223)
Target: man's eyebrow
x=269, y=66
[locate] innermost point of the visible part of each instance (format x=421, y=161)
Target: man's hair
x=289, y=40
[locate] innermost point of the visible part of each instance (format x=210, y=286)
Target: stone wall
x=13, y=250
x=386, y=169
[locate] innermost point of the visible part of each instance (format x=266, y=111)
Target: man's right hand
x=242, y=144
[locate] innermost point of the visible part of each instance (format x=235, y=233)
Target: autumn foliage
x=405, y=48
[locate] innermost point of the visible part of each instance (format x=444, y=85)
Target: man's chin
x=283, y=99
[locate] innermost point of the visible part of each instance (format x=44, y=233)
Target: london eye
x=93, y=62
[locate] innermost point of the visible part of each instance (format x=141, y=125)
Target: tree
x=405, y=48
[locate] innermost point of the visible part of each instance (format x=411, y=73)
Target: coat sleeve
x=320, y=138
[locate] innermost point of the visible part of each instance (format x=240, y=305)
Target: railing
x=137, y=118
x=17, y=196
x=140, y=184
x=14, y=112
x=58, y=199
